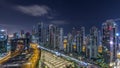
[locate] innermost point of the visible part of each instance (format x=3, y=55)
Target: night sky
x=23, y=14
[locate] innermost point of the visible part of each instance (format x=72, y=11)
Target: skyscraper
x=109, y=29
x=3, y=40
x=93, y=42
x=52, y=36
x=22, y=34
x=40, y=33
x=34, y=36
x=78, y=42
x=70, y=47
x=34, y=30
x=57, y=38
x=61, y=39
x=45, y=34
x=99, y=42
x=88, y=47
x=73, y=32
x=65, y=43
x=82, y=38
x=74, y=44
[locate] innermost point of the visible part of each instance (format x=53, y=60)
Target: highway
x=52, y=61
x=65, y=56
x=20, y=59
x=16, y=61
x=31, y=59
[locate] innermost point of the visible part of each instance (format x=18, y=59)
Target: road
x=65, y=56
x=21, y=59
x=16, y=61
x=53, y=61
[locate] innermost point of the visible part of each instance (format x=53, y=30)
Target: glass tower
x=109, y=29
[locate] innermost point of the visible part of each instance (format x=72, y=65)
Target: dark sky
x=23, y=14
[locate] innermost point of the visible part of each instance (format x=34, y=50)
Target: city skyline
x=100, y=46
x=66, y=14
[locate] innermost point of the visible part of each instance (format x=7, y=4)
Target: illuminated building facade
x=65, y=43
x=61, y=39
x=57, y=37
x=22, y=34
x=53, y=36
x=69, y=36
x=109, y=29
x=78, y=42
x=73, y=47
x=40, y=32
x=3, y=40
x=93, y=42
x=99, y=42
x=34, y=30
x=82, y=38
x=87, y=39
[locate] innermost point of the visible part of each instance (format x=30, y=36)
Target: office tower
x=109, y=29
x=34, y=37
x=58, y=38
x=73, y=39
x=88, y=46
x=40, y=33
x=52, y=36
x=93, y=42
x=65, y=43
x=61, y=39
x=27, y=40
x=27, y=35
x=3, y=40
x=55, y=37
x=16, y=35
x=117, y=41
x=34, y=30
x=45, y=36
x=22, y=34
x=82, y=38
x=73, y=32
x=74, y=45
x=99, y=42
x=70, y=47
x=78, y=42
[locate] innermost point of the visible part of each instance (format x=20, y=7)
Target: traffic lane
x=65, y=56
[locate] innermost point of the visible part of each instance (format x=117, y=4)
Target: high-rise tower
x=93, y=42
x=40, y=33
x=61, y=39
x=109, y=29
x=82, y=38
